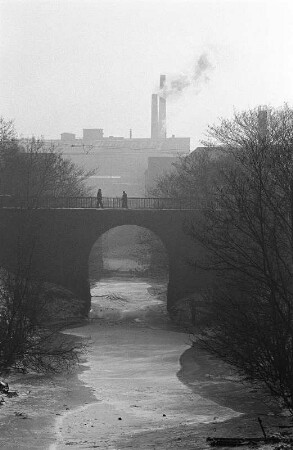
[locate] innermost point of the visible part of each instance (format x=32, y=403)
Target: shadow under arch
x=128, y=271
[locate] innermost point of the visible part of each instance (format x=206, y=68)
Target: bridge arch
x=66, y=237
x=129, y=249
x=128, y=273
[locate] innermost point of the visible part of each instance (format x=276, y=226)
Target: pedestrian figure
x=99, y=199
x=124, y=200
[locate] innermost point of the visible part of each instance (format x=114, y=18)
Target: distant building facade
x=121, y=164
x=125, y=164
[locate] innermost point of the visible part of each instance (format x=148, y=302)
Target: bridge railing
x=91, y=202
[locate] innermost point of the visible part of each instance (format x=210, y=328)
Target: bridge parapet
x=91, y=202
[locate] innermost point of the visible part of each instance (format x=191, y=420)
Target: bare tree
x=192, y=176
x=149, y=249
x=34, y=172
x=26, y=340
x=248, y=235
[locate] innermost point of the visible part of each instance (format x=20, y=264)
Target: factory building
x=125, y=163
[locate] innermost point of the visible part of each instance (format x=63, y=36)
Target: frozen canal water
x=131, y=367
x=118, y=298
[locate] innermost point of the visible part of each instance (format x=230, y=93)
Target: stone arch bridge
x=56, y=244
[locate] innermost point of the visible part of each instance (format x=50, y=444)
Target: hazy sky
x=68, y=64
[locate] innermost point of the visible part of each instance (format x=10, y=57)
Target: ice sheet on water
x=116, y=298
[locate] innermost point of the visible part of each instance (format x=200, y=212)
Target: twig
x=262, y=428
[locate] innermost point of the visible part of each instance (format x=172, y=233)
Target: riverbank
x=140, y=386
x=129, y=374
x=28, y=421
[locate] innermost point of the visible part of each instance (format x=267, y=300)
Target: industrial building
x=120, y=163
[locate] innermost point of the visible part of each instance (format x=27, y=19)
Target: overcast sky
x=73, y=64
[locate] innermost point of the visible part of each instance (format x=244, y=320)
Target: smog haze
x=68, y=65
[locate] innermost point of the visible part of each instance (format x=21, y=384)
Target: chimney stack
x=162, y=109
x=155, y=119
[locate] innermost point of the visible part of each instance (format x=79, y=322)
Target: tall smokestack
x=155, y=118
x=162, y=109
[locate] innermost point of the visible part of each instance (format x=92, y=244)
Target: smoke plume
x=176, y=84
x=202, y=67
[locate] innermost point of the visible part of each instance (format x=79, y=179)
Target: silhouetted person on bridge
x=99, y=199
x=124, y=200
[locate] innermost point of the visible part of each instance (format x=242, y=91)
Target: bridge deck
x=91, y=202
